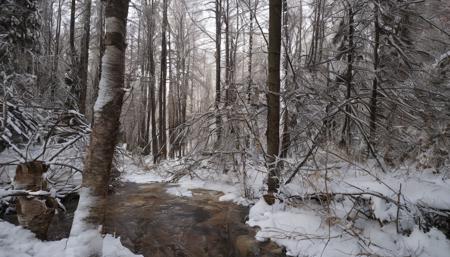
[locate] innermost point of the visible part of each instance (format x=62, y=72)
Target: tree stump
x=34, y=212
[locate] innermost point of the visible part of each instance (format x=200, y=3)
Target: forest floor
x=175, y=209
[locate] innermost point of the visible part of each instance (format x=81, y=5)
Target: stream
x=154, y=223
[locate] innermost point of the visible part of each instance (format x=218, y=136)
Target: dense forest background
x=291, y=89
x=368, y=79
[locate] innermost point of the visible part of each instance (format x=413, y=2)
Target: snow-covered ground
x=305, y=232
x=16, y=241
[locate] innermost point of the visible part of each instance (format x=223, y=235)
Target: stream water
x=154, y=223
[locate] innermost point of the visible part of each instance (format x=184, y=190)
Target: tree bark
x=84, y=56
x=286, y=137
x=250, y=57
x=99, y=54
x=108, y=105
x=373, y=100
x=162, y=87
x=152, y=84
x=73, y=80
x=54, y=71
x=346, y=130
x=218, y=14
x=227, y=54
x=273, y=95
x=72, y=29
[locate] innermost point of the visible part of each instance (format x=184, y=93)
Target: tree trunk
x=373, y=100
x=84, y=238
x=227, y=54
x=172, y=102
x=218, y=65
x=34, y=212
x=84, y=56
x=73, y=80
x=54, y=71
x=286, y=137
x=72, y=29
x=250, y=57
x=152, y=85
x=108, y=105
x=346, y=130
x=98, y=55
x=162, y=88
x=273, y=95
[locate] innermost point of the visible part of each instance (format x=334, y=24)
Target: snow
x=112, y=247
x=305, y=233
x=347, y=179
x=15, y=241
x=85, y=239
x=142, y=177
x=179, y=191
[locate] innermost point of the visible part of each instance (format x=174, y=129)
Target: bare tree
x=218, y=15
x=374, y=96
x=162, y=87
x=84, y=55
x=273, y=95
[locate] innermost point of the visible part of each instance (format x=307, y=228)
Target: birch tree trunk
x=109, y=102
x=273, y=95
x=85, y=239
x=97, y=63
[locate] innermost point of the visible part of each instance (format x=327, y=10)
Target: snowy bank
x=16, y=241
x=306, y=233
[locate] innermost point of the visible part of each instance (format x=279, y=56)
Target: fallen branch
x=8, y=193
